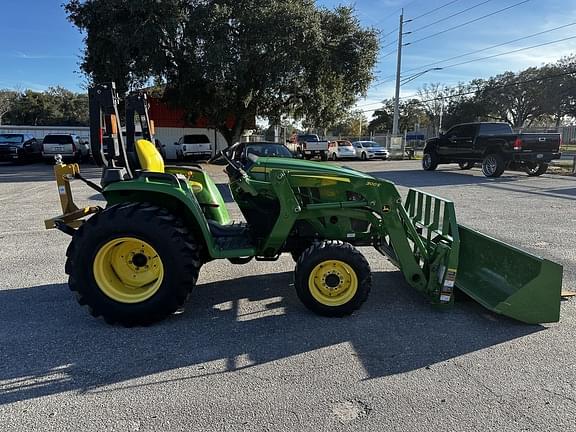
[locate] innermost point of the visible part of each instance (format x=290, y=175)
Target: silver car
x=370, y=150
x=68, y=145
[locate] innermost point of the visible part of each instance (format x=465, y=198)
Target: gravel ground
x=247, y=356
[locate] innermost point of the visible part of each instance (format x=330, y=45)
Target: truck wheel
x=535, y=169
x=493, y=165
x=332, y=278
x=323, y=156
x=430, y=161
x=466, y=165
x=133, y=264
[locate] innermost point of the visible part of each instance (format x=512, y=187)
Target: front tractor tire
x=133, y=264
x=332, y=278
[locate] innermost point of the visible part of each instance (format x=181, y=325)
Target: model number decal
x=373, y=184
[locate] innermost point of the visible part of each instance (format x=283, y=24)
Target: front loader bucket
x=507, y=280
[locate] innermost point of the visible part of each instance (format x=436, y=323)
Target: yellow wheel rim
x=128, y=270
x=333, y=283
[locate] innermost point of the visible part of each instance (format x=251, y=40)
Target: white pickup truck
x=193, y=147
x=308, y=146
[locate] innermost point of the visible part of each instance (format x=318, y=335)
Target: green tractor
x=136, y=261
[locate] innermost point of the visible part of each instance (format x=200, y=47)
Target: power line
x=447, y=30
x=488, y=48
x=384, y=80
x=395, y=13
x=528, y=81
x=539, y=79
x=435, y=10
x=451, y=16
x=388, y=54
x=469, y=22
x=388, y=44
x=388, y=34
x=510, y=52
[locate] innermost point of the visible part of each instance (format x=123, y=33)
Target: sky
x=40, y=48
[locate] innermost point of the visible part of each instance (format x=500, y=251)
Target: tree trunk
x=238, y=129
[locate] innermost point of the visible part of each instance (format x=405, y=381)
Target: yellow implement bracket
x=71, y=214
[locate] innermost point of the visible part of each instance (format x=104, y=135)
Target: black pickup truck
x=494, y=145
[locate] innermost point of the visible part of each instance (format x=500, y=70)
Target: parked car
x=193, y=147
x=495, y=145
x=19, y=147
x=308, y=146
x=341, y=149
x=260, y=149
x=370, y=150
x=69, y=146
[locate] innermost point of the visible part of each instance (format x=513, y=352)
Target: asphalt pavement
x=245, y=355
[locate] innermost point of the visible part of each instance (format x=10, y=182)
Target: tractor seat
x=149, y=157
x=151, y=161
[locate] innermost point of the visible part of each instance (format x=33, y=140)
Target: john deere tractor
x=136, y=261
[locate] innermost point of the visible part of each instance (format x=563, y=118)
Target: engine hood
x=267, y=164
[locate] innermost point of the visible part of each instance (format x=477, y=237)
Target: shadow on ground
x=510, y=181
x=50, y=345
x=39, y=172
x=441, y=177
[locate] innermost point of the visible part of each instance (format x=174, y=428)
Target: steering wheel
x=235, y=170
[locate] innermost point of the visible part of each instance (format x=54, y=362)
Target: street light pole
x=398, y=68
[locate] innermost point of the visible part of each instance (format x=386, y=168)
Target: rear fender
x=174, y=195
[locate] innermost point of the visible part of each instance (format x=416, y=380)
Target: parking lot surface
x=245, y=355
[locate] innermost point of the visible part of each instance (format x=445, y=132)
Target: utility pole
x=398, y=68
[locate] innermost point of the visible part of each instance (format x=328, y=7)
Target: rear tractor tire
x=133, y=264
x=493, y=165
x=332, y=278
x=535, y=169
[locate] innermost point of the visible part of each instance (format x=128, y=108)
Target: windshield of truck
x=195, y=139
x=58, y=139
x=11, y=139
x=495, y=129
